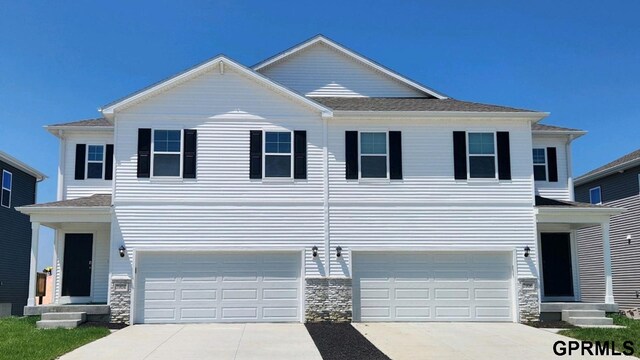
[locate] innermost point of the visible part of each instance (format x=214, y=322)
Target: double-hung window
x=277, y=154
x=482, y=155
x=595, y=195
x=539, y=165
x=7, y=180
x=95, y=161
x=374, y=155
x=167, y=156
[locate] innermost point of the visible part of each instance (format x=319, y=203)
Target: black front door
x=557, y=271
x=76, y=274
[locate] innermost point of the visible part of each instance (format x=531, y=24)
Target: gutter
x=533, y=116
x=602, y=173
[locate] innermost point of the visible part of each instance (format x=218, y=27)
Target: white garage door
x=215, y=287
x=432, y=286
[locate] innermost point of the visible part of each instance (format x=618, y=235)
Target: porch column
x=33, y=269
x=608, y=278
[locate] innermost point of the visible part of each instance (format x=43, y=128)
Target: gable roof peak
x=320, y=38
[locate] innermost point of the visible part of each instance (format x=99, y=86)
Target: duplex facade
x=315, y=185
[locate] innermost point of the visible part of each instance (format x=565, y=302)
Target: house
x=18, y=184
x=315, y=185
x=615, y=184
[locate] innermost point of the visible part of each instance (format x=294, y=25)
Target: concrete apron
x=199, y=341
x=464, y=341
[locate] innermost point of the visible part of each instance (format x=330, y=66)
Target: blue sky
x=61, y=60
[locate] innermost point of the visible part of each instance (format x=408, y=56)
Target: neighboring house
x=18, y=181
x=315, y=185
x=616, y=184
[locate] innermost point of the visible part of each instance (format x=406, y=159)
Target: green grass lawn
x=631, y=333
x=21, y=340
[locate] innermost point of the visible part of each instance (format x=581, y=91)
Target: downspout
x=62, y=153
x=569, y=170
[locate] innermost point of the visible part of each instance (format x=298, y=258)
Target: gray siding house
x=18, y=183
x=615, y=184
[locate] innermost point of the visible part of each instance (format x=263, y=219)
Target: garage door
x=432, y=286
x=215, y=287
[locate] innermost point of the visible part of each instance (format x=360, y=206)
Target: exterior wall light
x=526, y=251
x=629, y=239
x=314, y=250
x=338, y=251
x=122, y=250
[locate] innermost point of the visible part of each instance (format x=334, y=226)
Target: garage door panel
x=215, y=287
x=443, y=287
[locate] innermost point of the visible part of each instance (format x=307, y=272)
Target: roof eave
x=574, y=133
x=55, y=129
x=608, y=211
x=34, y=209
x=606, y=172
x=22, y=166
x=532, y=116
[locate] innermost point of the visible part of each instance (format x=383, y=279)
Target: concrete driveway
x=206, y=341
x=462, y=341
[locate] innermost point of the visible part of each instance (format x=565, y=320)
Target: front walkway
x=464, y=341
x=205, y=341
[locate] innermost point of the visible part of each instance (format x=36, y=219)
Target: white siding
x=428, y=208
x=255, y=227
x=72, y=188
x=322, y=71
x=223, y=108
x=554, y=190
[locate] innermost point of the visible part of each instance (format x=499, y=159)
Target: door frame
x=575, y=274
x=507, y=250
x=63, y=243
x=301, y=251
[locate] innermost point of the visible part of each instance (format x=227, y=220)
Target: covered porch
x=559, y=269
x=81, y=254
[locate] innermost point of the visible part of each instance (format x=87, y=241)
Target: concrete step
x=55, y=324
x=566, y=314
x=582, y=321
x=559, y=306
x=65, y=316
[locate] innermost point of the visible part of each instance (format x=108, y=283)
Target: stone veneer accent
x=120, y=291
x=528, y=300
x=328, y=299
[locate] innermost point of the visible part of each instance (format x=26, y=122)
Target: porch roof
x=94, y=208
x=577, y=214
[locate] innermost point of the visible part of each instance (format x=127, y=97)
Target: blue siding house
x=18, y=182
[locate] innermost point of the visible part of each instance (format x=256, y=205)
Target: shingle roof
x=544, y=127
x=87, y=122
x=546, y=202
x=97, y=200
x=629, y=158
x=409, y=104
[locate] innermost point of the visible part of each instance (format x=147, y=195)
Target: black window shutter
x=351, y=154
x=395, y=155
x=504, y=155
x=81, y=155
x=189, y=155
x=108, y=165
x=460, y=155
x=255, y=156
x=299, y=154
x=552, y=163
x=144, y=153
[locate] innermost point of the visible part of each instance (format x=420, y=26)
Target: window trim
x=153, y=153
x=545, y=164
x=87, y=161
x=10, y=189
x=386, y=132
x=495, y=155
x=599, y=192
x=264, y=155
